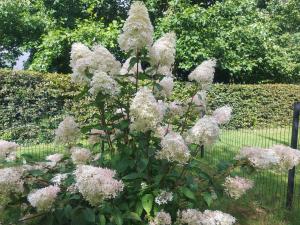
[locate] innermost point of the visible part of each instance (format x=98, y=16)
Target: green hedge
x=32, y=104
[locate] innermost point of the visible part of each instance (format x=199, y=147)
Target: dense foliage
x=143, y=166
x=46, y=98
x=254, y=40
x=252, y=44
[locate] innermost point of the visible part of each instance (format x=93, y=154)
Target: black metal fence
x=270, y=188
x=275, y=189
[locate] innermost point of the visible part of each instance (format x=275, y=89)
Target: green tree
x=249, y=43
x=20, y=25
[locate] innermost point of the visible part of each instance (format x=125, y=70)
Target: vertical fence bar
x=294, y=144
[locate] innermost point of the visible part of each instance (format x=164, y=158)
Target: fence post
x=294, y=144
x=202, y=146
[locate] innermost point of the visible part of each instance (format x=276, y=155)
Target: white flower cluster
x=80, y=155
x=259, y=157
x=288, y=157
x=103, y=83
x=86, y=62
x=53, y=160
x=175, y=108
x=164, y=197
x=7, y=149
x=167, y=85
x=80, y=55
x=145, y=111
x=162, y=54
x=43, y=199
x=103, y=60
x=10, y=181
x=208, y=217
x=96, y=184
x=137, y=29
x=278, y=157
x=235, y=187
x=199, y=99
x=59, y=178
x=174, y=148
x=161, y=218
x=204, y=132
x=223, y=114
x=204, y=73
x=67, y=131
x=57, y=157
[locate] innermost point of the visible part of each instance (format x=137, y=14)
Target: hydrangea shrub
x=143, y=166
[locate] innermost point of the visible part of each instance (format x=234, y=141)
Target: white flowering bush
x=143, y=165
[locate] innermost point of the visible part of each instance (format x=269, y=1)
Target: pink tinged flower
x=199, y=99
x=173, y=149
x=223, y=114
x=56, y=158
x=6, y=148
x=208, y=217
x=204, y=73
x=235, y=187
x=204, y=132
x=43, y=199
x=11, y=181
x=167, y=85
x=80, y=155
x=217, y=217
x=67, y=132
x=97, y=184
x=288, y=157
x=258, y=157
x=161, y=218
x=175, y=108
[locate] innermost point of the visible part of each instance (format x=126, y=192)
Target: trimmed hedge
x=32, y=104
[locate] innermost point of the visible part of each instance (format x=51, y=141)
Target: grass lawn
x=265, y=203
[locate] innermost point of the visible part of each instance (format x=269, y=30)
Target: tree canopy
x=253, y=40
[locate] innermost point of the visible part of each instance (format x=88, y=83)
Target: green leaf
x=139, y=208
x=68, y=211
x=147, y=202
x=89, y=215
x=132, y=216
x=142, y=164
x=132, y=176
x=207, y=198
x=117, y=217
x=188, y=193
x=102, y=220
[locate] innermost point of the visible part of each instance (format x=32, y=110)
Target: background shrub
x=32, y=104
